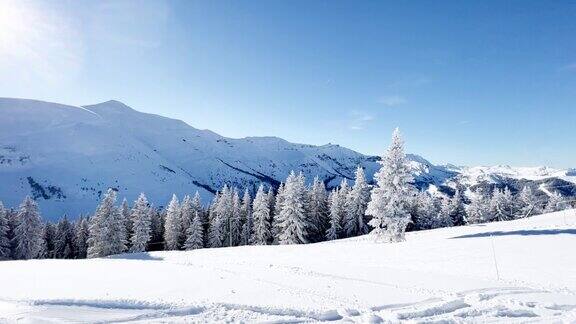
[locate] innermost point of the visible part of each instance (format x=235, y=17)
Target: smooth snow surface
x=445, y=274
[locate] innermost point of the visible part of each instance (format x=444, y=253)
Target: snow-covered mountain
x=66, y=156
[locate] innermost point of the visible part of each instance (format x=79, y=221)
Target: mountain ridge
x=66, y=156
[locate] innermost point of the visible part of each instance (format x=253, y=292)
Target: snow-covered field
x=445, y=274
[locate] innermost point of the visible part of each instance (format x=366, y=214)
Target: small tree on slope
x=141, y=224
x=388, y=204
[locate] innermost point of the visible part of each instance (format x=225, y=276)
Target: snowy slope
x=444, y=274
x=66, y=156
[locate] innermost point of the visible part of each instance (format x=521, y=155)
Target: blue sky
x=468, y=82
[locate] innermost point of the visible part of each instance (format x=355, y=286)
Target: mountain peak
x=110, y=106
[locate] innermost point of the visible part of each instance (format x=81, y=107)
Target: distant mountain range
x=67, y=156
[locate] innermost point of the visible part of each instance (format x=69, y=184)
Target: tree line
x=294, y=213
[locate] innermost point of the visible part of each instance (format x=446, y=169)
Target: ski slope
x=445, y=274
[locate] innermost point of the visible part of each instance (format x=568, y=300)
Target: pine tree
x=337, y=210
x=271, y=200
x=292, y=223
x=197, y=208
x=173, y=226
x=64, y=240
x=247, y=221
x=389, y=200
x=478, y=210
x=356, y=203
x=156, y=230
x=529, y=203
x=262, y=226
x=427, y=212
x=555, y=203
x=81, y=238
x=318, y=210
x=4, y=228
x=141, y=224
x=278, y=201
x=458, y=210
x=187, y=213
x=502, y=204
x=48, y=237
x=117, y=238
x=101, y=227
x=194, y=234
x=126, y=222
x=444, y=218
x=235, y=221
x=28, y=231
x=216, y=230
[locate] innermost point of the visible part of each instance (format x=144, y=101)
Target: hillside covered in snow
x=67, y=156
x=516, y=271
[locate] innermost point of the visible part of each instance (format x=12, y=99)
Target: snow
x=446, y=274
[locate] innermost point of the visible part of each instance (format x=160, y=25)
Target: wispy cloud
x=359, y=120
x=570, y=67
x=392, y=100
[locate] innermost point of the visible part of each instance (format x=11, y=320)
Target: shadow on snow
x=520, y=232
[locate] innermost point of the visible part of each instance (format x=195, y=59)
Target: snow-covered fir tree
x=292, y=224
x=173, y=225
x=187, y=213
x=48, y=237
x=478, y=211
x=278, y=201
x=156, y=229
x=502, y=205
x=356, y=203
x=64, y=239
x=555, y=203
x=271, y=200
x=458, y=210
x=318, y=210
x=262, y=233
x=337, y=211
x=100, y=229
x=427, y=212
x=235, y=221
x=389, y=199
x=117, y=238
x=195, y=233
x=127, y=222
x=28, y=231
x=81, y=238
x=529, y=203
x=141, y=224
x=197, y=208
x=216, y=230
x=247, y=221
x=444, y=218
x=4, y=240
